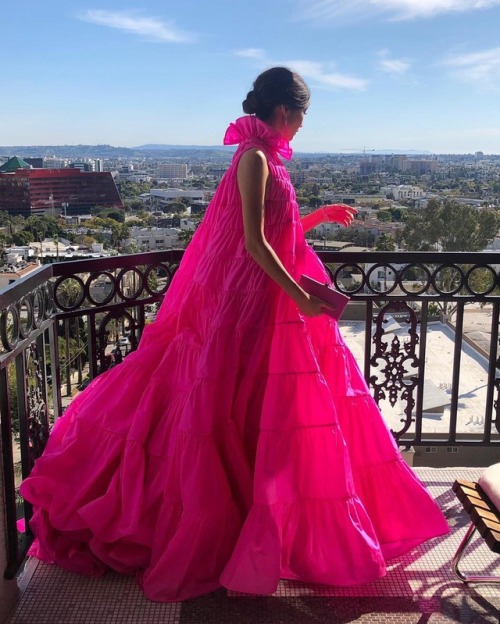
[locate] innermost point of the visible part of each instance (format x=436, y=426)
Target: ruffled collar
x=250, y=127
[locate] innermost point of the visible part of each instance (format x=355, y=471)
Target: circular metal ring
x=347, y=266
x=80, y=299
x=149, y=270
x=119, y=288
x=9, y=344
x=442, y=267
x=24, y=331
x=375, y=267
x=426, y=284
x=93, y=277
x=485, y=267
x=38, y=310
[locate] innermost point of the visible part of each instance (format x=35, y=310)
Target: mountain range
x=152, y=150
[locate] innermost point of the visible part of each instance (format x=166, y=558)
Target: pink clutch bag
x=326, y=293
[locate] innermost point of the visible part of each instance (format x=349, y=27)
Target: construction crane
x=358, y=149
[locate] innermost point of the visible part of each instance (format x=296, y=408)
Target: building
x=13, y=164
x=403, y=191
x=420, y=166
x=9, y=273
x=54, y=191
x=173, y=171
x=163, y=197
x=151, y=239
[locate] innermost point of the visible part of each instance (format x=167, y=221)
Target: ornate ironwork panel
x=397, y=362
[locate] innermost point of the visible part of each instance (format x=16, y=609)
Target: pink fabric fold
x=251, y=128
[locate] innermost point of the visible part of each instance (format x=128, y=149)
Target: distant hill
x=228, y=148
x=159, y=150
x=195, y=152
x=68, y=151
x=162, y=147
x=411, y=152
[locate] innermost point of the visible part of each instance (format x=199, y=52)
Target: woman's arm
x=332, y=213
x=252, y=176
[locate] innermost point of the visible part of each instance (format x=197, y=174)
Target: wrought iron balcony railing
x=85, y=316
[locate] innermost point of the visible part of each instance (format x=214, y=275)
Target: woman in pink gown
x=239, y=444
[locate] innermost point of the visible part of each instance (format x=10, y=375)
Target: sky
x=384, y=74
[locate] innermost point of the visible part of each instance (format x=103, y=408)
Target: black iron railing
x=70, y=321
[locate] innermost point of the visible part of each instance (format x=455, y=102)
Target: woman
x=239, y=444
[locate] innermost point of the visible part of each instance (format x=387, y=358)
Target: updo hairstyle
x=275, y=86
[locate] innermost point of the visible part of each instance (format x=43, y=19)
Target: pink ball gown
x=239, y=444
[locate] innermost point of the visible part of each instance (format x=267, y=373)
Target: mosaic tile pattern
x=419, y=588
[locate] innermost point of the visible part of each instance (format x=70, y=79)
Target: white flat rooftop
x=438, y=378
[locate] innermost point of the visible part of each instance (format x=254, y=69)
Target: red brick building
x=53, y=191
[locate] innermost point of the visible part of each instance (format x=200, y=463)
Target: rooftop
x=13, y=164
x=438, y=378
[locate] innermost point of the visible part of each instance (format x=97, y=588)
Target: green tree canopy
x=452, y=226
x=386, y=242
x=109, y=213
x=384, y=215
x=22, y=238
x=315, y=201
x=42, y=227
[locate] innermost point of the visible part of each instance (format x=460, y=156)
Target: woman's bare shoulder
x=253, y=158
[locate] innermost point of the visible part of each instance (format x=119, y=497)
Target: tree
x=185, y=236
x=450, y=226
x=386, y=243
x=315, y=201
x=384, y=215
x=22, y=238
x=398, y=214
x=361, y=238
x=119, y=232
x=133, y=204
x=5, y=218
x=109, y=213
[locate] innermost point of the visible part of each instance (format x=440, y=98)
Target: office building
x=54, y=191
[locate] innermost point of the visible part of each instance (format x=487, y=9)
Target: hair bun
x=251, y=103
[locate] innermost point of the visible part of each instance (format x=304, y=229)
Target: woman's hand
x=332, y=213
x=338, y=213
x=310, y=305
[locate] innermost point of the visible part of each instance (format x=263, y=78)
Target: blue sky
x=384, y=74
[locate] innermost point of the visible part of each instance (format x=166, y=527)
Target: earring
x=285, y=115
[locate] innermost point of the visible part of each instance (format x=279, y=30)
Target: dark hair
x=275, y=86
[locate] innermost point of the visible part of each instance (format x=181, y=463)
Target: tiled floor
x=418, y=589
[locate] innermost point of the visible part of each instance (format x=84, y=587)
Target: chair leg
x=458, y=556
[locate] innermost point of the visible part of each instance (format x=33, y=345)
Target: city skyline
x=384, y=74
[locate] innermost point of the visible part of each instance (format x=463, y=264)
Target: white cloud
x=334, y=10
x=252, y=53
x=481, y=68
x=151, y=28
x=392, y=65
x=309, y=70
x=317, y=72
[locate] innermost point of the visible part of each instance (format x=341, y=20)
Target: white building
x=52, y=162
x=154, y=239
x=161, y=197
x=10, y=273
x=172, y=171
x=23, y=252
x=133, y=176
x=326, y=229
x=403, y=191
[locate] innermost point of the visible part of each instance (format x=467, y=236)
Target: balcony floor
x=419, y=588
